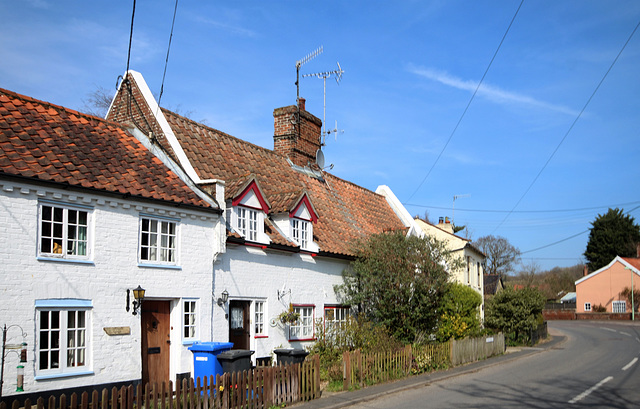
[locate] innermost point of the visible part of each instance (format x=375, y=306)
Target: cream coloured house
x=471, y=272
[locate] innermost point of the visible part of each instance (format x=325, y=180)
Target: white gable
x=251, y=200
x=303, y=212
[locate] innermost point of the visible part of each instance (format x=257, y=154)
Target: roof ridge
x=221, y=133
x=56, y=106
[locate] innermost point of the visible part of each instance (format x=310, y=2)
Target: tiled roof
x=634, y=261
x=50, y=143
x=492, y=283
x=347, y=212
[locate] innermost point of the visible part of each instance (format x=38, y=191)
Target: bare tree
x=98, y=102
x=528, y=274
x=502, y=257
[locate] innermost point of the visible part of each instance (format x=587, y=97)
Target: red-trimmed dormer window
x=249, y=208
x=302, y=218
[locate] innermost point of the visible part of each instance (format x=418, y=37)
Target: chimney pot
x=301, y=103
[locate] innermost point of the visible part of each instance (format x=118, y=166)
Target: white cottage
x=291, y=226
x=88, y=215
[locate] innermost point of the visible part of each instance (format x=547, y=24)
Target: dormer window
x=248, y=213
x=302, y=218
x=300, y=232
x=248, y=223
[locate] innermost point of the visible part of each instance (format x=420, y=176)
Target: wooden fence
x=474, y=349
x=362, y=369
x=260, y=388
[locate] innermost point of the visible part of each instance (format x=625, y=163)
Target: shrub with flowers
x=289, y=316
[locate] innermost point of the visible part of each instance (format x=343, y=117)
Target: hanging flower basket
x=289, y=316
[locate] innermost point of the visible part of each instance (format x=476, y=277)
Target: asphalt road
x=597, y=367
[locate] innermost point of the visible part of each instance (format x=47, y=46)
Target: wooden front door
x=239, y=329
x=156, y=341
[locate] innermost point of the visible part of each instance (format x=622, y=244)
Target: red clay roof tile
x=52, y=143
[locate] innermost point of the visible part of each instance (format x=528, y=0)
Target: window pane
x=44, y=360
x=55, y=319
x=55, y=339
x=55, y=359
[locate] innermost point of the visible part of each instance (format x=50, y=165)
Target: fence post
x=346, y=370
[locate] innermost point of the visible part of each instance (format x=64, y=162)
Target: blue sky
x=410, y=69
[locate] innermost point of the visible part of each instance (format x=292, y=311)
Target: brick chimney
x=300, y=147
x=445, y=224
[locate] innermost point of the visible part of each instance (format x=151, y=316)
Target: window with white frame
x=259, y=315
x=247, y=223
x=158, y=240
x=302, y=329
x=189, y=320
x=467, y=273
x=62, y=340
x=63, y=231
x=335, y=318
x=300, y=232
x=619, y=306
x=587, y=306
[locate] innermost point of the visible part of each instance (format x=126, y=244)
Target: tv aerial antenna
x=324, y=75
x=302, y=62
x=455, y=197
x=335, y=131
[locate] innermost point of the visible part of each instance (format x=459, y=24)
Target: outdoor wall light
x=224, y=297
x=138, y=295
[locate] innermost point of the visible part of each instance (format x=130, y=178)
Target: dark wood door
x=156, y=341
x=239, y=330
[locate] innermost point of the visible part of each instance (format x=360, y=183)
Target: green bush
x=460, y=316
x=355, y=333
x=515, y=313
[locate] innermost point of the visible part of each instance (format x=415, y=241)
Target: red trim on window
x=252, y=186
x=262, y=246
x=302, y=339
x=307, y=203
x=261, y=336
x=304, y=305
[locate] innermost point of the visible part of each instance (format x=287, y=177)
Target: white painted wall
x=25, y=279
x=250, y=273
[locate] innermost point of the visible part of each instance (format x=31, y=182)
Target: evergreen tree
x=612, y=234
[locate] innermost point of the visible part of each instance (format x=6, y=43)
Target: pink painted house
x=604, y=286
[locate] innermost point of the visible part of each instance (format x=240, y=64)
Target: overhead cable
x=468, y=104
x=570, y=128
x=166, y=61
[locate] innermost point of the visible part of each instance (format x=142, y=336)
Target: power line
x=570, y=237
x=555, y=242
x=166, y=61
x=468, y=104
x=570, y=128
x=525, y=211
x=133, y=13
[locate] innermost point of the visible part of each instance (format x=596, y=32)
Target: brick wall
x=300, y=149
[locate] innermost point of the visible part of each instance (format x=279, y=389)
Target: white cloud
x=226, y=27
x=490, y=92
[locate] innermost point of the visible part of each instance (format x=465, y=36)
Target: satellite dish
x=320, y=158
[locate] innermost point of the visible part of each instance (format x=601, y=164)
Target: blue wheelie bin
x=205, y=358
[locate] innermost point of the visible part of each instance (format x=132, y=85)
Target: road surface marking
x=608, y=329
x=590, y=390
x=630, y=364
x=625, y=333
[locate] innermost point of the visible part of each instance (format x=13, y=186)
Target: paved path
x=343, y=399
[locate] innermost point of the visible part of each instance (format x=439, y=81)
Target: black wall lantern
x=224, y=297
x=138, y=295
